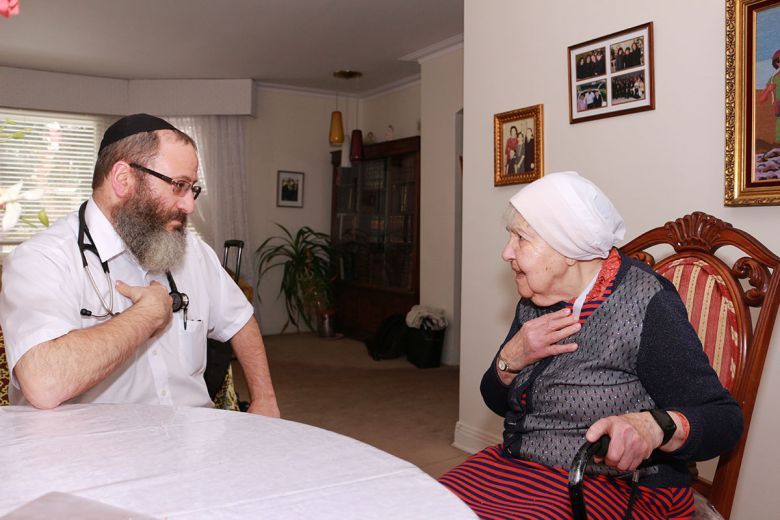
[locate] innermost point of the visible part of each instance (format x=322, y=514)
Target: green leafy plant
x=308, y=272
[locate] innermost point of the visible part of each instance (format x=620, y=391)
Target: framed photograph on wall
x=519, y=145
x=289, y=189
x=612, y=75
x=752, y=159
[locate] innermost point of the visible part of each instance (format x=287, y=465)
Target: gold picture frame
x=517, y=162
x=752, y=158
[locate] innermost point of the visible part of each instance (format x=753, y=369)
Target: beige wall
x=289, y=132
x=399, y=107
x=655, y=165
x=441, y=100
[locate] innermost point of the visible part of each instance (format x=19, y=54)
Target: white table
x=169, y=462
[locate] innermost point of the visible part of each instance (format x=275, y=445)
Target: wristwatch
x=504, y=366
x=665, y=421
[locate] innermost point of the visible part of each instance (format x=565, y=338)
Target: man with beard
x=113, y=303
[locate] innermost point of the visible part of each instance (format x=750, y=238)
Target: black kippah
x=131, y=125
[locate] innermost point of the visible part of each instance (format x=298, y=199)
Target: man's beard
x=141, y=222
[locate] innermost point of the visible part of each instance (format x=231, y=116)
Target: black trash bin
x=423, y=347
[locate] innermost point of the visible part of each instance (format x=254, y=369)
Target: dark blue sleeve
x=675, y=371
x=494, y=392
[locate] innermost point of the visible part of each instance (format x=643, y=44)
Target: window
x=46, y=165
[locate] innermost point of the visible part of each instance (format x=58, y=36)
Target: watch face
x=501, y=364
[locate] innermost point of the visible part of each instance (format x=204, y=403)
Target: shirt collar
x=107, y=241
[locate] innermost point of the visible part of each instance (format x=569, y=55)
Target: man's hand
x=153, y=302
x=537, y=339
x=267, y=407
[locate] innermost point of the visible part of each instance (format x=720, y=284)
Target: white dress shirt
x=45, y=288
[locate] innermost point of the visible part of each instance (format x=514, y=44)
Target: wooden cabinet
x=376, y=226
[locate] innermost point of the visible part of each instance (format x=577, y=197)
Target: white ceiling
x=297, y=43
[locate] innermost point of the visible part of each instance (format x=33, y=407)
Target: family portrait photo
x=627, y=54
x=591, y=95
x=289, y=189
x=518, y=145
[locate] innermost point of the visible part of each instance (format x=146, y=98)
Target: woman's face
x=538, y=267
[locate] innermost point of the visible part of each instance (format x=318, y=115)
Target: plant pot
x=326, y=323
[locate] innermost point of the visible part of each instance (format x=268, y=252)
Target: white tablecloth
x=200, y=463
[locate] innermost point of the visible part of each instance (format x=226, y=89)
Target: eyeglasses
x=180, y=188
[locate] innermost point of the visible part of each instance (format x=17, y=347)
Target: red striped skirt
x=499, y=487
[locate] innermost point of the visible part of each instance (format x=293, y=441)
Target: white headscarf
x=571, y=214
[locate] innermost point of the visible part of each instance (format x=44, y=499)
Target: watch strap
x=665, y=422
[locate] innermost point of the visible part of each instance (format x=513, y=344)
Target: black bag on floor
x=388, y=342
x=423, y=347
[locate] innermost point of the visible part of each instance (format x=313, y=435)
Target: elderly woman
x=600, y=345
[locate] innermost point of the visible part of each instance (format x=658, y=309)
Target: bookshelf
x=375, y=224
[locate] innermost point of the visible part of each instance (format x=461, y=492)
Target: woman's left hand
x=633, y=437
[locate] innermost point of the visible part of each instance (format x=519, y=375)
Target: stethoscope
x=180, y=300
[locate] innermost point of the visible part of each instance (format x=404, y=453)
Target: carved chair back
x=718, y=295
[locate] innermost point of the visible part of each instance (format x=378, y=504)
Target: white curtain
x=221, y=210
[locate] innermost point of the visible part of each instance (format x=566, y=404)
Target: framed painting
x=612, y=75
x=752, y=161
x=519, y=145
x=289, y=189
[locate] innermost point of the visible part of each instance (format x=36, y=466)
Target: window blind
x=53, y=157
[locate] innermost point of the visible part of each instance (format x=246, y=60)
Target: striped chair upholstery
x=5, y=375
x=710, y=305
x=721, y=294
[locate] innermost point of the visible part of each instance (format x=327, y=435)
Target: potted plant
x=308, y=262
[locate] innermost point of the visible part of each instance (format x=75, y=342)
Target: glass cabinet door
x=376, y=211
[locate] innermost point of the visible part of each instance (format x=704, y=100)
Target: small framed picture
x=289, y=189
x=519, y=145
x=612, y=75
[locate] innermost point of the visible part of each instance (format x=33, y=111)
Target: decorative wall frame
x=519, y=145
x=612, y=75
x=289, y=189
x=752, y=159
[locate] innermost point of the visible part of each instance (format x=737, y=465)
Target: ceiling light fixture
x=336, y=134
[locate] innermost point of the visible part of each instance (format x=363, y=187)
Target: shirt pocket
x=192, y=344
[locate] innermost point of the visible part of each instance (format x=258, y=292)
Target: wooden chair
x=226, y=397
x=718, y=295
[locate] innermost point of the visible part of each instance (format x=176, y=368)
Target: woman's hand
x=537, y=339
x=633, y=437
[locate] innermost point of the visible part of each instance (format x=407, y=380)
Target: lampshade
x=336, y=129
x=356, y=148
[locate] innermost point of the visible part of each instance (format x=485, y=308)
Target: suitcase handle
x=239, y=245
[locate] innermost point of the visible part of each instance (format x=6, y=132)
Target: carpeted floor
x=391, y=404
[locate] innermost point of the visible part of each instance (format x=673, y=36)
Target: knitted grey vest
x=565, y=394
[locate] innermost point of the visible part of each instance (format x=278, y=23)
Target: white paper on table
x=64, y=505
